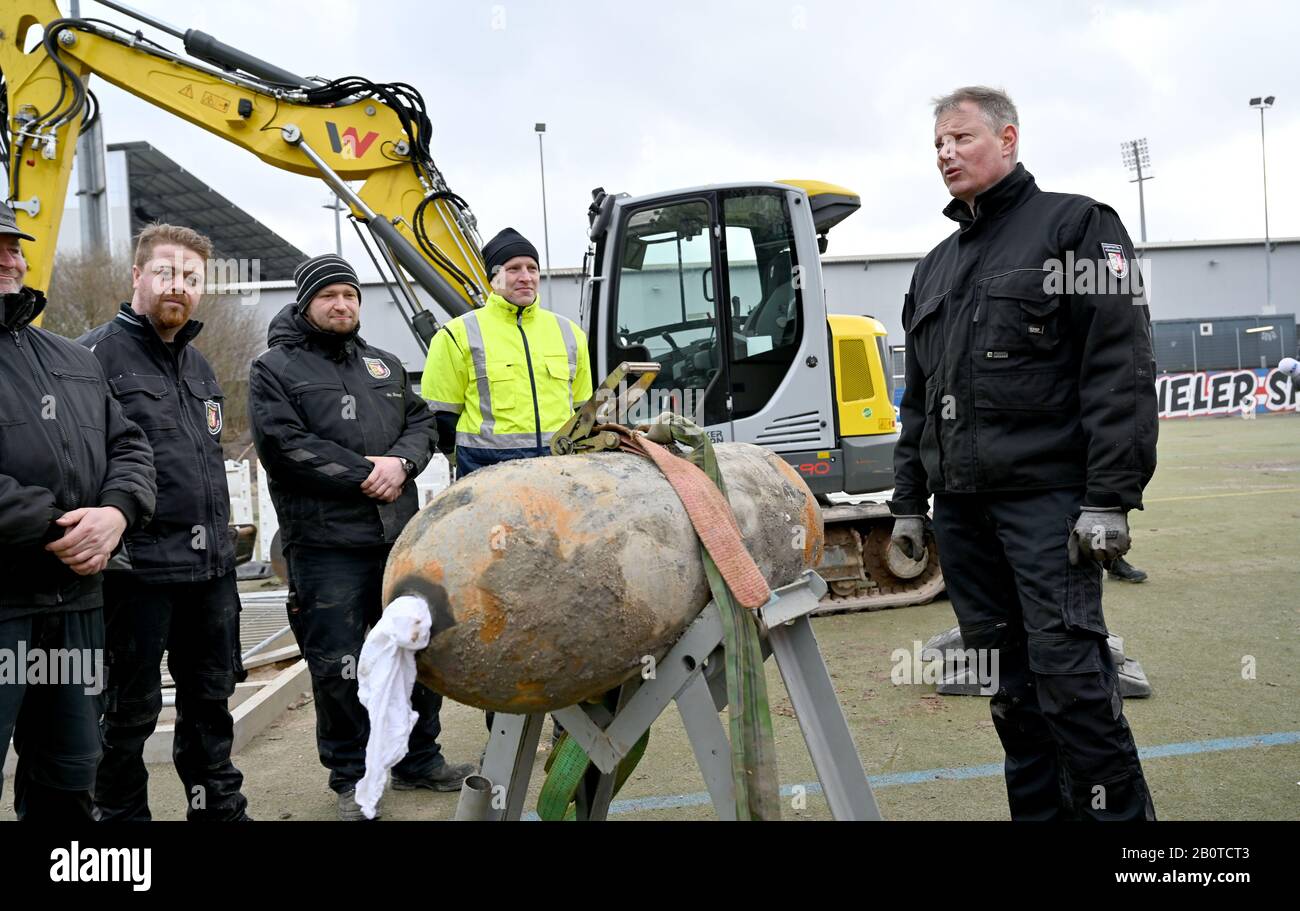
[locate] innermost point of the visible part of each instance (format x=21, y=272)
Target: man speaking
x=1030, y=414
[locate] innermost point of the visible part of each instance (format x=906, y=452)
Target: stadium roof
x=161, y=190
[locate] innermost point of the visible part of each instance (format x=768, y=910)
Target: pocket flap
x=1028, y=286
x=204, y=389
x=155, y=386
x=1039, y=308
x=76, y=376
x=926, y=309
x=558, y=367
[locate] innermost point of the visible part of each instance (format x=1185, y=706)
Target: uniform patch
x=214, y=417
x=1116, y=261
x=377, y=368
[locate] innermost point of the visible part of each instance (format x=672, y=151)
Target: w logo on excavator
x=349, y=145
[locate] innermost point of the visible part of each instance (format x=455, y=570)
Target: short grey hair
x=995, y=104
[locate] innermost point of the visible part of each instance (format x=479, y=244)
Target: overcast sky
x=642, y=97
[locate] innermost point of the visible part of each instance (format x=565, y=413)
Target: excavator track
x=856, y=566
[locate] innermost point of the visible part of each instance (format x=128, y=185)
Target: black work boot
x=1121, y=569
x=447, y=777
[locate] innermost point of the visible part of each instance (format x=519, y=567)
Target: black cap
x=506, y=246
x=9, y=223
x=321, y=272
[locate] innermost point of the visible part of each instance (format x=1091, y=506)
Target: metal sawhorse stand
x=692, y=674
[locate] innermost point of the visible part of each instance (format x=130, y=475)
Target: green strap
x=753, y=747
x=567, y=766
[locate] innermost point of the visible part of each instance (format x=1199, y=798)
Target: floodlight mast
x=1136, y=157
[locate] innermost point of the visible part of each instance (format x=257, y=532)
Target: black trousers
x=1057, y=708
x=52, y=715
x=197, y=625
x=334, y=599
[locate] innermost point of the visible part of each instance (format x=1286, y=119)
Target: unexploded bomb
x=550, y=580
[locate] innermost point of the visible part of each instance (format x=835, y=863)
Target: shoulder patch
x=1116, y=261
x=213, y=414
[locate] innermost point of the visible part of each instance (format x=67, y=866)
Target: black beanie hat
x=320, y=272
x=506, y=246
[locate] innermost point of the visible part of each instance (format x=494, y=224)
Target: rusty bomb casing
x=550, y=580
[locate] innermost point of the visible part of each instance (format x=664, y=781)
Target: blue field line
x=993, y=769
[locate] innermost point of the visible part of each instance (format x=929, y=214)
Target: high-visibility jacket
x=514, y=375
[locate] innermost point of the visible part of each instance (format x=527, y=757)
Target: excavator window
x=766, y=301
x=665, y=306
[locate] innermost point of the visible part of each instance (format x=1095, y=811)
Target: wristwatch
x=408, y=465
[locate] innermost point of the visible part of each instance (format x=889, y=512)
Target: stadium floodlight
x=1137, y=157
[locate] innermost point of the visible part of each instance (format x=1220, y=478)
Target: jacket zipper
x=182, y=395
x=365, y=442
x=537, y=414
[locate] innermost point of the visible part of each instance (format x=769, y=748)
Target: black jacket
x=319, y=404
x=172, y=393
x=64, y=444
x=1017, y=379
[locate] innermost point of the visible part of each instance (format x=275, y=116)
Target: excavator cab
x=714, y=284
x=722, y=286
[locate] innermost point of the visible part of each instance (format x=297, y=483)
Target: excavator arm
x=343, y=130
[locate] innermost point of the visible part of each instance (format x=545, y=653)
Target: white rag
x=386, y=677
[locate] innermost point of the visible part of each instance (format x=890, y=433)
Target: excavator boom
x=342, y=130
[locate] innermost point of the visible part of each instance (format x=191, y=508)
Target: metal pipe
x=154, y=50
x=1142, y=203
x=365, y=245
x=205, y=47
x=462, y=231
x=264, y=643
x=1268, y=273
x=134, y=13
x=385, y=231
x=475, y=804
x=546, y=227
x=412, y=300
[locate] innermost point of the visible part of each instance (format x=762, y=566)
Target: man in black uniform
x=75, y=474
x=1030, y=414
x=174, y=587
x=342, y=436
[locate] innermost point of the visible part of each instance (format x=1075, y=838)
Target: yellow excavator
x=721, y=284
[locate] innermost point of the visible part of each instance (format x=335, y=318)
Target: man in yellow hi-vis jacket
x=512, y=372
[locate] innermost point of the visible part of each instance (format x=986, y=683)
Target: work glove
x=1100, y=533
x=909, y=536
